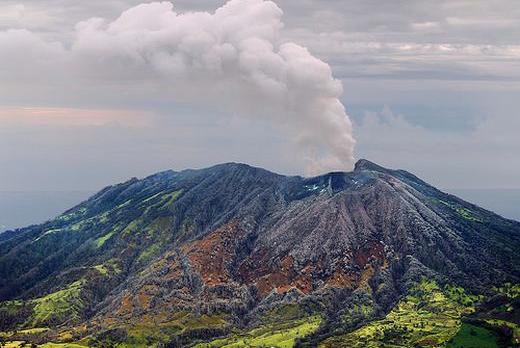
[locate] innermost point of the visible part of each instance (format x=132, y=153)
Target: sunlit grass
x=268, y=336
x=428, y=316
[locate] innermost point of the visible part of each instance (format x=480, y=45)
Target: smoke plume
x=232, y=60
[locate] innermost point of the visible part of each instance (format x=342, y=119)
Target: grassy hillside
x=429, y=316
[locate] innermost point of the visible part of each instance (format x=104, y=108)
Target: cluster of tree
x=109, y=338
x=202, y=334
x=394, y=334
x=4, y=342
x=11, y=316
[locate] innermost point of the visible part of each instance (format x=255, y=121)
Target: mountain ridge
x=225, y=246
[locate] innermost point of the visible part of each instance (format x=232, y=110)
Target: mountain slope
x=181, y=257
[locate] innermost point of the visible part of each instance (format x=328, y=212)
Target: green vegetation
x=101, y=240
x=13, y=314
x=268, y=336
x=11, y=306
x=169, y=198
x=190, y=322
x=14, y=344
x=364, y=309
x=62, y=345
x=428, y=316
x=149, y=252
x=163, y=199
x=62, y=304
x=33, y=331
x=115, y=264
x=46, y=233
x=501, y=323
x=123, y=205
x=132, y=226
x=23, y=343
x=361, y=311
x=148, y=331
x=284, y=313
x=101, y=269
x=73, y=215
x=467, y=214
x=512, y=291
x=459, y=295
x=152, y=197
x=473, y=336
x=463, y=212
x=78, y=226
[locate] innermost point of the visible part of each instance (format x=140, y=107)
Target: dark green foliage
x=108, y=338
x=13, y=314
x=472, y=336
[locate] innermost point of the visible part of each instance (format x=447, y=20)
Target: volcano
x=238, y=256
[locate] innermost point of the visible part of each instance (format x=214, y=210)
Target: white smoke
x=232, y=60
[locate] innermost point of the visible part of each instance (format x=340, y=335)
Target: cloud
x=448, y=67
x=18, y=15
x=443, y=158
x=413, y=60
x=231, y=60
x=12, y=117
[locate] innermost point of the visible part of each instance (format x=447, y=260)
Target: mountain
x=23, y=208
x=237, y=256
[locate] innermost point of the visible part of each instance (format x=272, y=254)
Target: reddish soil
x=211, y=255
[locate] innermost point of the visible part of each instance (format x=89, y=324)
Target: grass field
x=61, y=345
x=471, y=336
x=268, y=336
x=428, y=316
x=60, y=304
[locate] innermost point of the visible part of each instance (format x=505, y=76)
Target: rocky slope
x=179, y=258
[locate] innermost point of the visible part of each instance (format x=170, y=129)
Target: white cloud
x=426, y=26
x=231, y=60
x=408, y=59
x=449, y=65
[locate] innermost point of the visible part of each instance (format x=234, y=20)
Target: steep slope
x=181, y=257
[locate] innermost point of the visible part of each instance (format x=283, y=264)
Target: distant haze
x=20, y=209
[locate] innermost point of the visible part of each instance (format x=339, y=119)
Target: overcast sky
x=432, y=87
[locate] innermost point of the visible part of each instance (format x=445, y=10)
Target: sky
x=428, y=86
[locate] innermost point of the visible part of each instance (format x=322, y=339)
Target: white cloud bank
x=231, y=60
